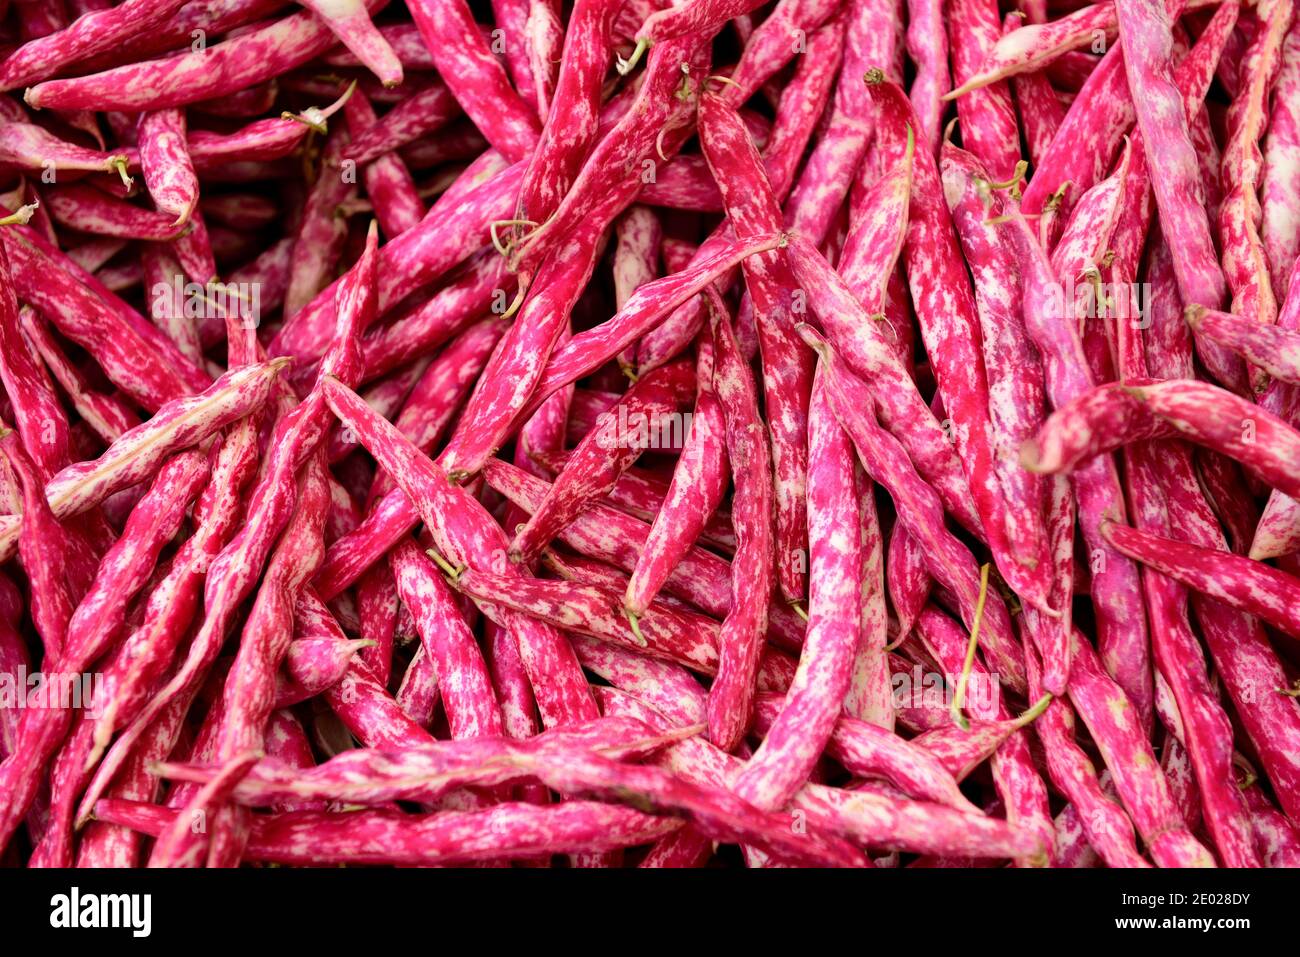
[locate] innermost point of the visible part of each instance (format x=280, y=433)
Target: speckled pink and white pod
x=424, y=111
x=919, y=509
x=573, y=111
x=465, y=534
x=599, y=459
x=202, y=74
x=799, y=732
x=393, y=194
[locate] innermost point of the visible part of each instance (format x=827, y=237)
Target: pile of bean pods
x=647, y=434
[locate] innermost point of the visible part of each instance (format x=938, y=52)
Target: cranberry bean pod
x=1245, y=263
x=466, y=535
x=740, y=641
x=99, y=617
x=573, y=111
x=596, y=463
x=475, y=77
x=466, y=689
x=927, y=45
x=919, y=509
x=388, y=182
x=349, y=20
x=450, y=837
x=1110, y=719
x=166, y=164
x=208, y=73
x=698, y=484
x=806, y=719
x=414, y=259
x=424, y=111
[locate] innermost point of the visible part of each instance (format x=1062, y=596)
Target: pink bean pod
x=907, y=577
x=423, y=112
x=1111, y=721
x=949, y=325
x=166, y=165
x=137, y=454
x=1015, y=369
x=1273, y=348
x=927, y=45
x=1122, y=635
x=349, y=20
x=38, y=417
x=1169, y=149
x=41, y=540
x=416, y=258
x=639, y=238
x=573, y=111
x=1100, y=818
x=521, y=359
x=97, y=32
x=653, y=129
x=1092, y=424
x=684, y=637
x=918, y=507
x=476, y=79
x=313, y=664
x=321, y=231
x=102, y=215
x=451, y=837
x=1245, y=263
x=631, y=427
x=1035, y=44
x=1279, y=226
x=693, y=18
x=207, y=73
x=427, y=772
x=98, y=618
x=249, y=694
x=467, y=693
x=135, y=355
x=1241, y=583
x=466, y=535
x=261, y=140
x=787, y=363
x=865, y=750
x=1206, y=731
x=388, y=182
x=864, y=818
x=698, y=484
x=1219, y=420
x=987, y=117
x=28, y=146
x=873, y=28
x=858, y=338
x=740, y=641
x=800, y=730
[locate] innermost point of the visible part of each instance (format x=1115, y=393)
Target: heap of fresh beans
x=632, y=433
